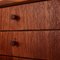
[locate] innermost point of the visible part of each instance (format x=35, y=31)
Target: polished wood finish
x=28, y=19
x=54, y=45
x=37, y=31
x=44, y=45
x=5, y=58
x=31, y=44
x=7, y=3
x=14, y=58
x=31, y=17
x=11, y=58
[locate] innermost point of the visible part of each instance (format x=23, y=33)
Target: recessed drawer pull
x=14, y=43
x=15, y=17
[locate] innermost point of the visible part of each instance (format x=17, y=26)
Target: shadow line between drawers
x=20, y=3
x=22, y=57
x=30, y=30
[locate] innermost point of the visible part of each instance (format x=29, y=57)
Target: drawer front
x=41, y=15
x=24, y=17
x=24, y=44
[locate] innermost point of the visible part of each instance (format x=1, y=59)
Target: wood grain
x=7, y=3
x=14, y=58
x=41, y=15
x=31, y=44
x=11, y=58
x=54, y=44
x=31, y=17
x=8, y=58
x=42, y=45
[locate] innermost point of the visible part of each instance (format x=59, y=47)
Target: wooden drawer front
x=24, y=44
x=39, y=15
x=31, y=17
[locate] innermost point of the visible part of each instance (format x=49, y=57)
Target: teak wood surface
x=43, y=44
x=31, y=44
x=34, y=16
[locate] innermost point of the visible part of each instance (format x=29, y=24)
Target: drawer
x=31, y=44
x=23, y=17
x=39, y=15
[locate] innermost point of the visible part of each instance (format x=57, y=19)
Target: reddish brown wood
x=31, y=44
x=11, y=58
x=54, y=45
x=3, y=2
x=32, y=16
x=5, y=58
x=7, y=3
x=55, y=36
x=43, y=45
x=0, y=19
x=14, y=58
x=41, y=15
